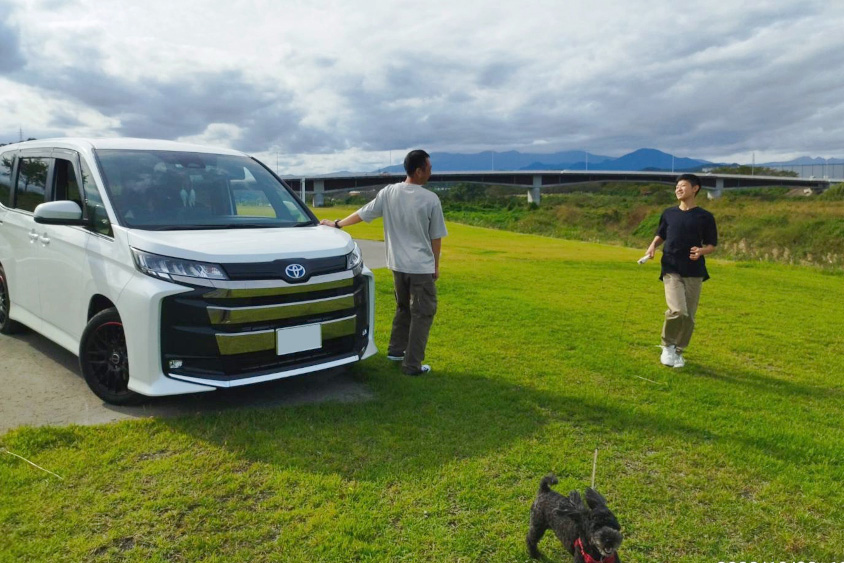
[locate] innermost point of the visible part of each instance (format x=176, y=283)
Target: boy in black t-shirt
x=689, y=233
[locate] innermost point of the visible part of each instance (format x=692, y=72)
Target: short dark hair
x=415, y=159
x=691, y=179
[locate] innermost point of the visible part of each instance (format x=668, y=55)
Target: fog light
x=176, y=364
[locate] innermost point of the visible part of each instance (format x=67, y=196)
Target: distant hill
x=339, y=174
x=489, y=160
x=641, y=159
x=804, y=160
x=652, y=159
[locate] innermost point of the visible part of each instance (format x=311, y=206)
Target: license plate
x=298, y=339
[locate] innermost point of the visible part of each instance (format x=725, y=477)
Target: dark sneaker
x=395, y=358
x=421, y=371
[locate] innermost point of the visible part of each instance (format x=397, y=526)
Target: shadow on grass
x=419, y=425
x=413, y=425
x=770, y=385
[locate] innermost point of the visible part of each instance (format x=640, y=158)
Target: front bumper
x=184, y=340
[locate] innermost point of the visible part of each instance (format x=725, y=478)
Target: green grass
x=768, y=225
x=543, y=350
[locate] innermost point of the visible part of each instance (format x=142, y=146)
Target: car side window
x=31, y=186
x=6, y=162
x=65, y=186
x=94, y=203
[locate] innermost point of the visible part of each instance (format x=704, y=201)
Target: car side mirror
x=59, y=213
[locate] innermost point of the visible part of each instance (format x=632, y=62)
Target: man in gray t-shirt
x=413, y=230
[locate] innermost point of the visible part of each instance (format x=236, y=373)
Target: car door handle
x=44, y=239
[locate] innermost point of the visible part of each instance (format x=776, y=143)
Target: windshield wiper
x=246, y=226
x=207, y=227
x=172, y=227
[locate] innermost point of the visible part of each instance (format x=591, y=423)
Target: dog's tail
x=546, y=483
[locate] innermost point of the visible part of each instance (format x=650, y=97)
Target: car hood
x=244, y=245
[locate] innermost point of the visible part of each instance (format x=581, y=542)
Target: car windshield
x=169, y=190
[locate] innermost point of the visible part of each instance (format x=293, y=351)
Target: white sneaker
x=669, y=356
x=678, y=360
x=422, y=371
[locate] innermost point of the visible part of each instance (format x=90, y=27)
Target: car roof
x=86, y=144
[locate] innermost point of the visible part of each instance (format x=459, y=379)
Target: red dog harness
x=588, y=558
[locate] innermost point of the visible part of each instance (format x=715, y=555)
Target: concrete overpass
x=535, y=180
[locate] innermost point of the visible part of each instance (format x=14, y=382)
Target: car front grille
x=228, y=334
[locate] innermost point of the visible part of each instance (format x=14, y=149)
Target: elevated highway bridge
x=535, y=180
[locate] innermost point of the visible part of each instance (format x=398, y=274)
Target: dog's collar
x=588, y=558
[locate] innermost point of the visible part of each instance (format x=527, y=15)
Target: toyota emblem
x=295, y=271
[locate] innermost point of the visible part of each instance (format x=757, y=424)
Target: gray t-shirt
x=413, y=217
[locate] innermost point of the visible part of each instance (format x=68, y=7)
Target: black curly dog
x=590, y=532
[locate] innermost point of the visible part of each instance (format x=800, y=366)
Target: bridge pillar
x=719, y=189
x=533, y=194
x=319, y=190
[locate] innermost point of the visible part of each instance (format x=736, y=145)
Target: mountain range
x=641, y=159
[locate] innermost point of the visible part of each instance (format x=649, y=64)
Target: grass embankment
x=767, y=225
x=543, y=350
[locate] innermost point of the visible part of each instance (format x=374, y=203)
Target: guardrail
x=810, y=171
x=535, y=180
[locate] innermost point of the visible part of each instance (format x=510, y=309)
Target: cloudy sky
x=318, y=86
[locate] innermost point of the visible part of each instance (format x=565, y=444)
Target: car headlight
x=172, y=269
x=354, y=258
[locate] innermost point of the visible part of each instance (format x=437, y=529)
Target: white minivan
x=172, y=268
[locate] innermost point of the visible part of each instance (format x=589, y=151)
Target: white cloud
x=330, y=85
x=216, y=135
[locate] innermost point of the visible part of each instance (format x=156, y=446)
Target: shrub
x=834, y=192
x=761, y=224
x=647, y=228
x=465, y=192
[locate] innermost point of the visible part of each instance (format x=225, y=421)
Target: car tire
x=104, y=361
x=7, y=325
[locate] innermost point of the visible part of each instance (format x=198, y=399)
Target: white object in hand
x=643, y=259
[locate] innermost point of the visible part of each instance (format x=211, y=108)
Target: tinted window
x=252, y=201
x=65, y=186
x=32, y=183
x=94, y=203
x=6, y=161
x=164, y=190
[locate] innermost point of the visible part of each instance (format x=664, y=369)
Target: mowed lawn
x=543, y=350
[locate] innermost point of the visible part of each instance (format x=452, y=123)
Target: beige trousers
x=681, y=296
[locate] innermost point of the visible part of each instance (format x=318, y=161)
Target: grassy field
x=770, y=225
x=543, y=350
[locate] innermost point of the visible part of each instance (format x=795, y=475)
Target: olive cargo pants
x=416, y=305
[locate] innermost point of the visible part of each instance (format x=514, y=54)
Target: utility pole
x=20, y=134
x=753, y=164
x=587, y=161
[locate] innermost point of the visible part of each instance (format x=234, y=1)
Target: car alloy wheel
x=104, y=359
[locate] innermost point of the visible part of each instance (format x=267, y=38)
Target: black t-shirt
x=681, y=230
